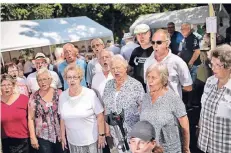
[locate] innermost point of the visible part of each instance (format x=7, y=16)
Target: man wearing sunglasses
x=176, y=38
x=93, y=66
x=141, y=53
x=179, y=75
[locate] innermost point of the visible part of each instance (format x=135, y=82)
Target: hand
x=34, y=143
x=186, y=150
x=101, y=142
x=64, y=143
x=190, y=64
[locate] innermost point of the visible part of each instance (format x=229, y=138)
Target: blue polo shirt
x=80, y=63
x=176, y=38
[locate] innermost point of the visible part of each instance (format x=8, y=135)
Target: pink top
x=46, y=116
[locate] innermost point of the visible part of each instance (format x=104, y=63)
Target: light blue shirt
x=80, y=63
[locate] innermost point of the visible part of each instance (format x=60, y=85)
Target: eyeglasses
x=74, y=77
x=96, y=45
x=216, y=65
x=158, y=42
x=43, y=80
x=7, y=85
x=171, y=27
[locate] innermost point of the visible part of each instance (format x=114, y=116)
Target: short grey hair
x=98, y=40
x=186, y=24
x=165, y=32
x=43, y=70
x=58, y=52
x=223, y=53
x=105, y=50
x=162, y=70
x=119, y=59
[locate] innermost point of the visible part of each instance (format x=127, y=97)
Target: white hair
x=42, y=71
x=58, y=52
x=119, y=59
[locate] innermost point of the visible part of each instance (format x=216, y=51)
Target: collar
x=165, y=58
x=227, y=85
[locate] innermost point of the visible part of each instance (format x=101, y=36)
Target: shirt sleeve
x=196, y=43
x=184, y=74
x=31, y=103
x=89, y=73
x=28, y=84
x=131, y=61
x=179, y=107
x=96, y=105
x=140, y=94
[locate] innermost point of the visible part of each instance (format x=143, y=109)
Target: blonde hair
x=119, y=59
x=162, y=70
x=73, y=67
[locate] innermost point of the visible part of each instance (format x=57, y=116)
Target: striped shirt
x=215, y=130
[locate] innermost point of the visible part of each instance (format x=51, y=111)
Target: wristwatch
x=102, y=134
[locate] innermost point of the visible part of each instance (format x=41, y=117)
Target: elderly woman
x=43, y=118
x=215, y=118
x=14, y=129
x=142, y=138
x=21, y=86
x=122, y=93
x=81, y=115
x=165, y=111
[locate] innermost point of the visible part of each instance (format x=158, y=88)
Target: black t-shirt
x=137, y=60
x=189, y=45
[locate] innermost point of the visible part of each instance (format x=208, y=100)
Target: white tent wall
x=194, y=16
x=7, y=56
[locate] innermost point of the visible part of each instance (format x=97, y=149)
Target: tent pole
x=9, y=55
x=86, y=47
x=212, y=35
x=2, y=60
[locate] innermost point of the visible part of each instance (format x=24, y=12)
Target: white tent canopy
x=196, y=15
x=16, y=35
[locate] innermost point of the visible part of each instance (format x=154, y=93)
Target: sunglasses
x=158, y=42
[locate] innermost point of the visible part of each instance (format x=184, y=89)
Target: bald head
x=70, y=52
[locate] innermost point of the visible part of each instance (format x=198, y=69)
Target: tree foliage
x=117, y=17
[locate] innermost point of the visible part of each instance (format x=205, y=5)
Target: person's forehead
x=215, y=60
x=117, y=63
x=142, y=33
x=104, y=54
x=159, y=36
x=95, y=42
x=43, y=75
x=67, y=48
x=40, y=60
x=7, y=81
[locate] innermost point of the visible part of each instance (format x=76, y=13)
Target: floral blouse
x=46, y=116
x=128, y=98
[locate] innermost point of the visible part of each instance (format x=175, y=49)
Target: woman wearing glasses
x=81, y=115
x=215, y=119
x=14, y=129
x=43, y=118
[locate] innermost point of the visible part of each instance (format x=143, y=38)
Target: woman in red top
x=14, y=129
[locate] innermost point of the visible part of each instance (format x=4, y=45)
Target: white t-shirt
x=99, y=81
x=179, y=74
x=79, y=115
x=28, y=67
x=33, y=86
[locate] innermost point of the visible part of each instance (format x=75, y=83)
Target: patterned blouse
x=46, y=116
x=215, y=128
x=128, y=98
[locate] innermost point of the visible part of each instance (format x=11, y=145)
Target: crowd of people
x=131, y=99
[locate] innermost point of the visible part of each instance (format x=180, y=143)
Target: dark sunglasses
x=158, y=42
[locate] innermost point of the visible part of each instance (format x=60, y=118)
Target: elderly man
x=59, y=56
x=141, y=53
x=41, y=61
x=127, y=49
x=112, y=47
x=70, y=54
x=176, y=38
x=93, y=66
x=190, y=50
x=100, y=78
x=178, y=71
